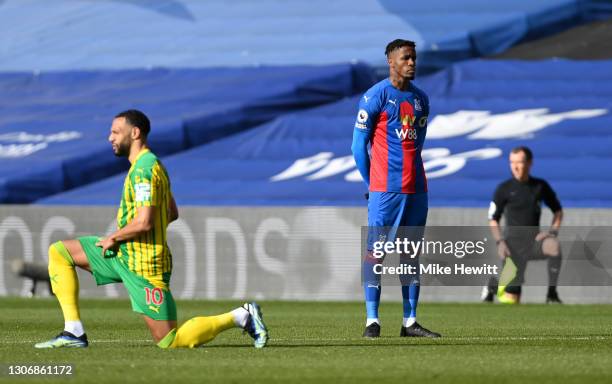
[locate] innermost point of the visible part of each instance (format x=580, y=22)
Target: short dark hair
x=138, y=119
x=398, y=43
x=525, y=150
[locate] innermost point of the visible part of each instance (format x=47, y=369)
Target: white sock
x=75, y=327
x=372, y=320
x=408, y=321
x=240, y=316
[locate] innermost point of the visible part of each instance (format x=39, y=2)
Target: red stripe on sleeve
x=380, y=155
x=408, y=149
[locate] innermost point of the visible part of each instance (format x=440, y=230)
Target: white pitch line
x=90, y=341
x=466, y=338
x=511, y=338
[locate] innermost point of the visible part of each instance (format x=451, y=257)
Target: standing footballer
x=392, y=118
x=137, y=255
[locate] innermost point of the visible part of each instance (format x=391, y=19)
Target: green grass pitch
x=321, y=342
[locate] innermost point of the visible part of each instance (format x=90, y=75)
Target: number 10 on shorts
x=155, y=296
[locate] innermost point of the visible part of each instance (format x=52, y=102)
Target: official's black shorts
x=522, y=251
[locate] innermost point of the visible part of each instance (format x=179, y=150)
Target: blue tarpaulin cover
x=54, y=126
x=120, y=34
x=480, y=110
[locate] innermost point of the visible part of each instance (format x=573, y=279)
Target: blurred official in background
x=519, y=199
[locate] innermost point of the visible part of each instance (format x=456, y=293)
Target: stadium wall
x=306, y=253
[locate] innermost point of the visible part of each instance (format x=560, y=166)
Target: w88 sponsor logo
x=403, y=134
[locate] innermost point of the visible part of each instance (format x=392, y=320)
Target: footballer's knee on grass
x=159, y=328
x=77, y=253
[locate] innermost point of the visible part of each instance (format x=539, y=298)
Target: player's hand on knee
x=108, y=245
x=502, y=249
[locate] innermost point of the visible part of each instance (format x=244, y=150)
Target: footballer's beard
x=122, y=149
